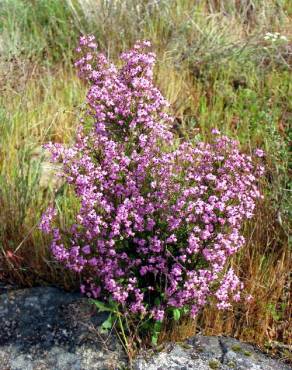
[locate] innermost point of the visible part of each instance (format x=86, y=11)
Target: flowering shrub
x=158, y=218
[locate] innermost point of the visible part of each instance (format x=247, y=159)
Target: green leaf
x=113, y=304
x=102, y=307
x=106, y=325
x=154, y=339
x=157, y=301
x=176, y=314
x=157, y=326
x=186, y=310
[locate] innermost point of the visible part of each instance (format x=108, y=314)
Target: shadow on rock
x=46, y=328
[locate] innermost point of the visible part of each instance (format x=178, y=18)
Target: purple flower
x=46, y=220
x=259, y=153
x=157, y=220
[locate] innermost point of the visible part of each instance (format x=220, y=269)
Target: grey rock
x=244, y=356
x=48, y=329
x=176, y=358
x=202, y=353
x=212, y=344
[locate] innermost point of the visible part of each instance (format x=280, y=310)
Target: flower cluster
x=274, y=37
x=158, y=218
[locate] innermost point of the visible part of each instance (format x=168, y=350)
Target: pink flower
x=158, y=314
x=158, y=220
x=259, y=153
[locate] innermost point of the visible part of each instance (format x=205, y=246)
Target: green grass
x=215, y=68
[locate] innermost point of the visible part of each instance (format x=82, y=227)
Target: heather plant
x=159, y=217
